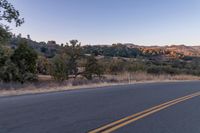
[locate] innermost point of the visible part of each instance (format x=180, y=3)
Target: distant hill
x=173, y=51
x=154, y=52
x=128, y=50
x=49, y=49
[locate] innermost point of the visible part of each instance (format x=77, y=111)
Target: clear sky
x=142, y=22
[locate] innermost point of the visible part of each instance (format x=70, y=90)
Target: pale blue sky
x=143, y=22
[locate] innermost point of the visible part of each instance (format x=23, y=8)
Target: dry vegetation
x=142, y=76
x=47, y=84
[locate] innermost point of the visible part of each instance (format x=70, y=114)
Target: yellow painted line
x=127, y=120
x=144, y=115
x=134, y=115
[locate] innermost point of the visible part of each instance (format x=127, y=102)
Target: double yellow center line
x=132, y=118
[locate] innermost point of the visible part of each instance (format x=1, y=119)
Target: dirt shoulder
x=32, y=90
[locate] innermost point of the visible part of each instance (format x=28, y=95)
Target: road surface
x=88, y=110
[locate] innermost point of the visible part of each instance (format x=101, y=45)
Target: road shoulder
x=24, y=91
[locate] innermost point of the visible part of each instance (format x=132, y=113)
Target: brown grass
x=142, y=76
x=47, y=84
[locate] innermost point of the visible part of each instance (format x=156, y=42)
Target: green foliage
x=4, y=35
x=116, y=50
x=163, y=70
x=66, y=64
x=43, y=65
x=4, y=55
x=59, y=69
x=9, y=13
x=71, y=60
x=74, y=52
x=116, y=66
x=9, y=72
x=92, y=67
x=135, y=66
x=25, y=59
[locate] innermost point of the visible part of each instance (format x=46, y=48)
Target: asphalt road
x=81, y=111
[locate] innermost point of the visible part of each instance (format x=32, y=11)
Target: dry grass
x=141, y=76
x=46, y=84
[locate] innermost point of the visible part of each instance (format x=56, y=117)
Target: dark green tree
x=43, y=65
x=92, y=68
x=4, y=55
x=9, y=14
x=25, y=59
x=4, y=34
x=59, y=69
x=8, y=70
x=74, y=52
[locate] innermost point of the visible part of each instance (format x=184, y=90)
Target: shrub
x=25, y=60
x=59, y=69
x=116, y=66
x=92, y=67
x=43, y=65
x=162, y=70
x=74, y=52
x=9, y=72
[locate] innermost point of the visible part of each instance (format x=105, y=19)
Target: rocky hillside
x=173, y=51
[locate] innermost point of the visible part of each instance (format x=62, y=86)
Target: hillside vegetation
x=89, y=61
x=24, y=60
